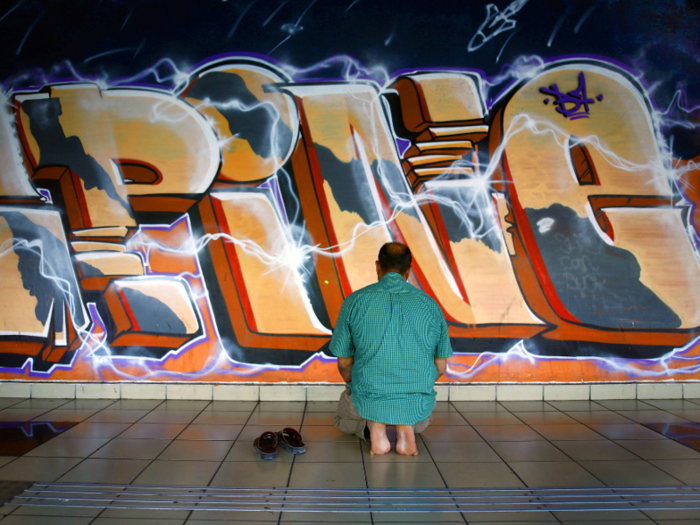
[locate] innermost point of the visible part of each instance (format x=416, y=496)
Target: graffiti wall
x=196, y=205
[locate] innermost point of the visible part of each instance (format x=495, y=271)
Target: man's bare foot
x=406, y=442
x=380, y=442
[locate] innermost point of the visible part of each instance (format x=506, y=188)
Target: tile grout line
x=364, y=470
x=78, y=423
x=496, y=452
x=294, y=457
x=606, y=438
x=438, y=468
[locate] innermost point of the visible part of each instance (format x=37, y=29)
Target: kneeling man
x=392, y=344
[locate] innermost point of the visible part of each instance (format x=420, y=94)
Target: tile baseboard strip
x=331, y=392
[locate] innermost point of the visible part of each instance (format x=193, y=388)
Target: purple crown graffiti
x=578, y=98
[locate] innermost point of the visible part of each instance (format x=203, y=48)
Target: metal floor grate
x=358, y=500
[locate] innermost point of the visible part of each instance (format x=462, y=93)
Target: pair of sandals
x=266, y=444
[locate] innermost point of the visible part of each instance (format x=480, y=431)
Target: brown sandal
x=266, y=445
x=291, y=440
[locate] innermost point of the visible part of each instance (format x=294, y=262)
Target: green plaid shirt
x=395, y=332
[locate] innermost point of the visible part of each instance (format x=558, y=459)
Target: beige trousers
x=347, y=419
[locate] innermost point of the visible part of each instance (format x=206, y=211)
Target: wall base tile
x=282, y=393
x=143, y=391
x=193, y=391
x=53, y=390
x=567, y=392
x=519, y=393
x=442, y=393
x=472, y=392
x=98, y=390
x=324, y=392
x=15, y=389
x=659, y=391
x=236, y=392
x=691, y=390
x=614, y=391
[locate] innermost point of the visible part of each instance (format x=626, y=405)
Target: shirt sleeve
x=341, y=342
x=444, y=348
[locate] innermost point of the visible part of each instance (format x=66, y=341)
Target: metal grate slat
x=358, y=500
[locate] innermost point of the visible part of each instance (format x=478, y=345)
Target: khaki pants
x=347, y=419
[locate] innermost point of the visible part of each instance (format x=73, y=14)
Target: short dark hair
x=395, y=257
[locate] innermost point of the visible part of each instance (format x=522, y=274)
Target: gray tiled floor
x=468, y=445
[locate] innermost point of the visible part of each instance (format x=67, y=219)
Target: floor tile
x=212, y=517
x=92, y=470
x=196, y=450
x=652, y=416
x=96, y=430
x=510, y=518
x=545, y=418
x=417, y=518
x=132, y=449
x=628, y=473
x=279, y=419
x=603, y=517
x=566, y=432
x=478, y=406
x=117, y=416
x=577, y=406
x=232, y=406
x=173, y=417
x=48, y=404
x=171, y=473
x=57, y=511
x=4, y=460
x=143, y=514
x=529, y=450
x=403, y=474
x=297, y=518
x=65, y=447
x=330, y=406
x=479, y=475
x=281, y=406
x=528, y=406
x=603, y=418
x=686, y=470
x=21, y=414
x=632, y=431
x=508, y=433
x=557, y=474
x=183, y=405
x=690, y=415
x=392, y=457
x=330, y=452
x=463, y=453
x=450, y=433
x=327, y=475
x=325, y=433
x=658, y=515
x=211, y=432
x=625, y=404
x=117, y=521
x=253, y=474
x=244, y=451
x=60, y=414
x=658, y=449
x=594, y=450
x=37, y=469
x=672, y=404
x=152, y=431
x=318, y=418
x=136, y=404
x=491, y=418
x=448, y=419
x=221, y=418
x=42, y=520
x=88, y=404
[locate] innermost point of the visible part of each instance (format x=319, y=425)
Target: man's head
x=394, y=257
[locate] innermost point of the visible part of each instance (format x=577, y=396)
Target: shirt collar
x=392, y=280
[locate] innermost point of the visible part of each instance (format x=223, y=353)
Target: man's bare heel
x=406, y=441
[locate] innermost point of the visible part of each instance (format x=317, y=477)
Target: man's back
x=394, y=332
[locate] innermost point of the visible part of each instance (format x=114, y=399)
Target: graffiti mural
x=205, y=223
